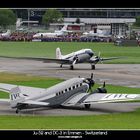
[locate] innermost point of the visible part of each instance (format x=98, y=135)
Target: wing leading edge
x=43, y=59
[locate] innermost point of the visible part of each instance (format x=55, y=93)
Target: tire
x=71, y=67
x=93, y=67
x=17, y=111
x=87, y=106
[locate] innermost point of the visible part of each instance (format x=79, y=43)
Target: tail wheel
x=87, y=106
x=93, y=67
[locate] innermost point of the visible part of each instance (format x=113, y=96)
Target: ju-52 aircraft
x=72, y=92
x=81, y=56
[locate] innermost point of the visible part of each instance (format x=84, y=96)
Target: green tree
x=7, y=17
x=137, y=23
x=52, y=16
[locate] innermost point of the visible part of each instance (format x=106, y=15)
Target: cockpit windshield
x=90, y=52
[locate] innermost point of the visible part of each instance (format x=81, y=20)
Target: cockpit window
x=89, y=52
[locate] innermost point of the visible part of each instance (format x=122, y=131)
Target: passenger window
x=70, y=88
x=73, y=87
x=66, y=90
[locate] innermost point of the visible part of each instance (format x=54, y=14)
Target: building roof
x=102, y=20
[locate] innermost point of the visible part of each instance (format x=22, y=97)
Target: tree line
x=8, y=17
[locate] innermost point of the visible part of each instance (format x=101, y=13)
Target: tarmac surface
x=115, y=74
x=96, y=109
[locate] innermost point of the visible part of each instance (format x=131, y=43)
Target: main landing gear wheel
x=61, y=66
x=87, y=106
x=93, y=67
x=71, y=67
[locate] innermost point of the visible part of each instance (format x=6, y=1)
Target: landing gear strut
x=93, y=67
x=17, y=111
x=61, y=66
x=87, y=106
x=71, y=67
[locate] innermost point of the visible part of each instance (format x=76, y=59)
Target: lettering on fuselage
x=15, y=93
x=14, y=96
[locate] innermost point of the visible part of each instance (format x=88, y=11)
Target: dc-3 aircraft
x=81, y=56
x=75, y=91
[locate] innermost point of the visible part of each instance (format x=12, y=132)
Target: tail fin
x=16, y=97
x=64, y=27
x=58, y=54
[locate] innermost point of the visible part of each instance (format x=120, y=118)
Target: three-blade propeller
x=90, y=81
x=98, y=58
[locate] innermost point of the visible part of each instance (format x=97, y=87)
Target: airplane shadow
x=63, y=110
x=43, y=111
x=93, y=109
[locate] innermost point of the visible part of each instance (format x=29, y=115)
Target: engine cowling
x=100, y=90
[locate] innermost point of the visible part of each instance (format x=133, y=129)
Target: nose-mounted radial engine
x=91, y=83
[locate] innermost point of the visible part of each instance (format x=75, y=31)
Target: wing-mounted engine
x=100, y=89
x=73, y=60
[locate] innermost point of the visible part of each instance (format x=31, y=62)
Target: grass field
x=111, y=121
x=47, y=49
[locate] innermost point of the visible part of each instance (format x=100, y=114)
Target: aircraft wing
x=84, y=98
x=24, y=90
x=59, y=61
x=97, y=59
x=110, y=58
x=4, y=101
x=44, y=59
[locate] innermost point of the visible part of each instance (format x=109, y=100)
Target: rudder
x=58, y=54
x=15, y=96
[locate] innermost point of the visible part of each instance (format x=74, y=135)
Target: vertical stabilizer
x=58, y=54
x=16, y=97
x=64, y=27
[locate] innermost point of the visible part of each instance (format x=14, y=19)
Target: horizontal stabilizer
x=4, y=101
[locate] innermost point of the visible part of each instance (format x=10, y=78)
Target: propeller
x=98, y=58
x=104, y=84
x=90, y=81
x=102, y=89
